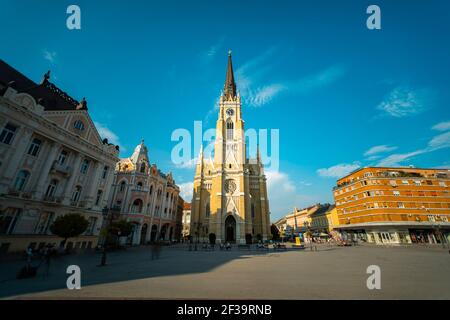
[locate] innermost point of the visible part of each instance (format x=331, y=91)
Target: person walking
x=46, y=259
x=156, y=249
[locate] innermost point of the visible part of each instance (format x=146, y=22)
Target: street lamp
x=105, y=213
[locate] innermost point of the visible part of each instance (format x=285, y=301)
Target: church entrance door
x=230, y=229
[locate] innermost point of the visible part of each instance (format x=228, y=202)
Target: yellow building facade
x=230, y=193
x=395, y=205
x=319, y=218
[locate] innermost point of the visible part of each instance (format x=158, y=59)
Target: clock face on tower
x=230, y=112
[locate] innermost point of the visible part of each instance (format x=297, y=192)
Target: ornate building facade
x=230, y=193
x=146, y=197
x=52, y=162
x=186, y=220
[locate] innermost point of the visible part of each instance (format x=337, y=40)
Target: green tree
x=69, y=226
x=124, y=227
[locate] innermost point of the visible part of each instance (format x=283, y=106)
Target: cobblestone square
x=329, y=273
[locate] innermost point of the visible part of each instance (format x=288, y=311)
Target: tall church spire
x=230, y=86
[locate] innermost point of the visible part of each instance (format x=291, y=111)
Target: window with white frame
x=62, y=157
x=35, y=145
x=21, y=180
x=7, y=134
x=84, y=166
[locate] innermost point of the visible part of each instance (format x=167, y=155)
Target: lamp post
x=105, y=213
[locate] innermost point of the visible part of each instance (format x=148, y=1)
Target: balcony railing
x=53, y=199
x=57, y=167
x=21, y=194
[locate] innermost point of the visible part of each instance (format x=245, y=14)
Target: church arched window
x=143, y=167
x=230, y=127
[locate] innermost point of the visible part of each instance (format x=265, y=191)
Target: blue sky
x=341, y=95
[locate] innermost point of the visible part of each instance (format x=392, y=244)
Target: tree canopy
x=69, y=225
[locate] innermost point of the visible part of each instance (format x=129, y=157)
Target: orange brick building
x=395, y=205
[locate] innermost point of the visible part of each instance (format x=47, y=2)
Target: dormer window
x=79, y=125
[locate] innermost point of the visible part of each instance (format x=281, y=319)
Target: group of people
x=45, y=254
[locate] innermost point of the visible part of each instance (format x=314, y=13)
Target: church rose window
x=230, y=186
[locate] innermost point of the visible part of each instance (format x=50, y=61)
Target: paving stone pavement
x=329, y=273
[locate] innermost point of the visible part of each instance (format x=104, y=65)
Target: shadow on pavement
x=132, y=264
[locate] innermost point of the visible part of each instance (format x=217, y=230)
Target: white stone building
x=52, y=162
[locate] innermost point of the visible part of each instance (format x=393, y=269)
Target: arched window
x=139, y=186
x=143, y=167
x=151, y=189
x=122, y=186
x=253, y=210
x=207, y=210
x=136, y=206
x=21, y=180
x=230, y=127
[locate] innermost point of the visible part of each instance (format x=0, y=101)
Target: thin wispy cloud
x=379, y=149
x=320, y=79
x=107, y=133
x=338, y=171
x=49, y=55
x=396, y=160
x=441, y=141
x=265, y=94
x=211, y=52
x=442, y=126
x=256, y=93
x=404, y=101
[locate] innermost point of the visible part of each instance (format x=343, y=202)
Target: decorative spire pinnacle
x=82, y=105
x=229, y=89
x=46, y=77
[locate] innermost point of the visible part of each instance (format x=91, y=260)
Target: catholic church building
x=230, y=193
